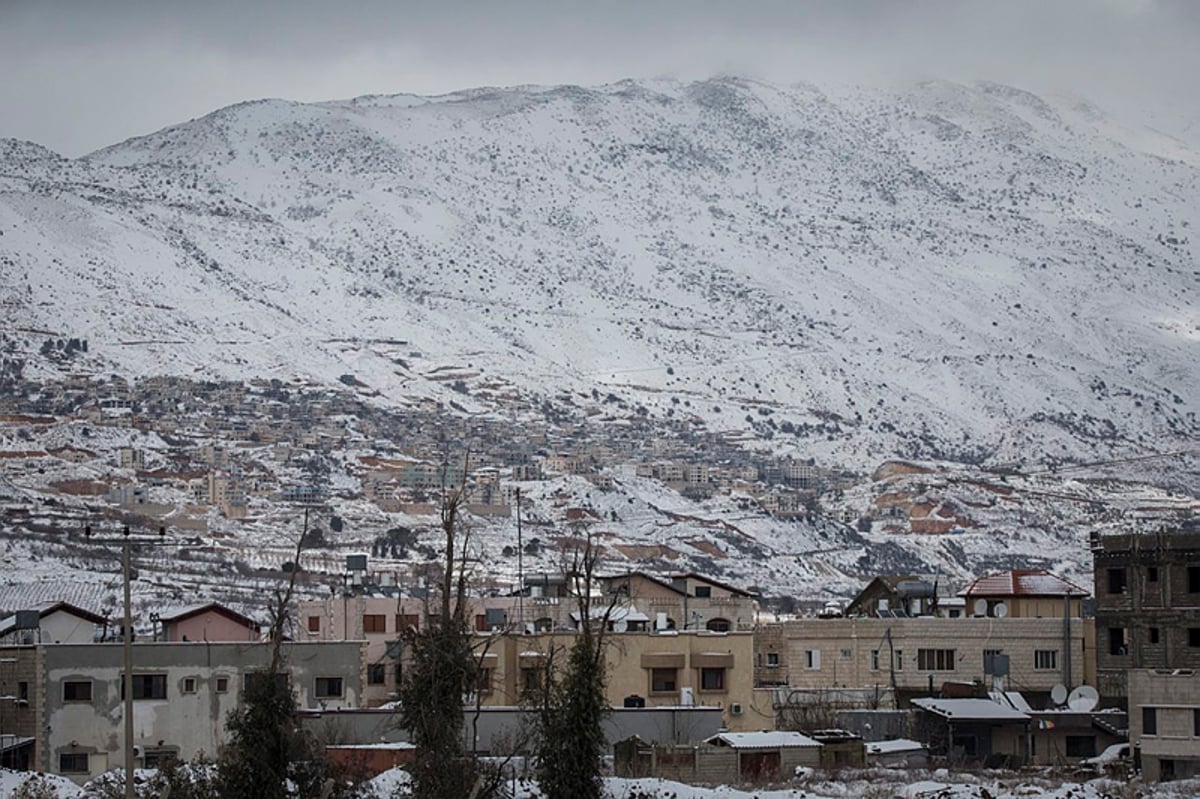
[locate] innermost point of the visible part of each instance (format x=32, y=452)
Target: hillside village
x=221, y=485
x=232, y=468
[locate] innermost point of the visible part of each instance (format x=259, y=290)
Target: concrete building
x=1147, y=605
x=182, y=693
x=916, y=656
x=641, y=604
x=207, y=622
x=1164, y=725
x=52, y=623
x=1024, y=594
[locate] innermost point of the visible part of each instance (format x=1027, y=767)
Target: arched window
x=544, y=624
x=717, y=625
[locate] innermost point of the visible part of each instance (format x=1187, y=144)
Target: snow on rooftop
x=763, y=740
x=970, y=709
x=893, y=747
x=1022, y=583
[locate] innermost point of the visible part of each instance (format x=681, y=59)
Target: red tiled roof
x=1022, y=583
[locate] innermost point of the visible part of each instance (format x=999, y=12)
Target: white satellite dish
x=1083, y=699
x=980, y=607
x=1001, y=610
x=1058, y=694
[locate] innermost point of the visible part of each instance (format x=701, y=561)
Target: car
x=1114, y=758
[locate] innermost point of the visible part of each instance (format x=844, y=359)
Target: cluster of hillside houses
x=1016, y=668
x=235, y=445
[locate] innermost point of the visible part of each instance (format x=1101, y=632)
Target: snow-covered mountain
x=948, y=271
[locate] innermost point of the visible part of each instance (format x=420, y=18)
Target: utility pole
x=520, y=570
x=127, y=637
x=127, y=640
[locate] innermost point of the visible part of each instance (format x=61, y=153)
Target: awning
x=712, y=660
x=662, y=660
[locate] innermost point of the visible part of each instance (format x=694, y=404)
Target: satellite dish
x=980, y=607
x=1001, y=610
x=1083, y=699
x=1058, y=694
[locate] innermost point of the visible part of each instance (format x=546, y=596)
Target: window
x=1194, y=636
x=703, y=591
x=1045, y=659
x=80, y=691
x=1196, y=723
x=376, y=674
x=147, y=686
x=663, y=681
x=314, y=624
x=1149, y=721
x=712, y=679
x=483, y=681
x=329, y=687
x=189, y=685
x=1116, y=581
x=374, y=623
x=874, y=660
x=1193, y=579
x=846, y=654
x=812, y=659
x=222, y=685
x=531, y=679
x=772, y=660
x=899, y=660
x=718, y=625
x=1154, y=635
x=22, y=691
x=73, y=763
x=1152, y=574
x=936, y=659
x=1117, y=644
x=1081, y=746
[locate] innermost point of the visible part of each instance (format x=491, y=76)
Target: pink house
x=210, y=622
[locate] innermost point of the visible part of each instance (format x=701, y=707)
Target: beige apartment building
x=914, y=655
x=643, y=669
x=644, y=608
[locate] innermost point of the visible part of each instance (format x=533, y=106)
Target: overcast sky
x=80, y=75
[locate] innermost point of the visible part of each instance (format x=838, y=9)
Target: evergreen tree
x=571, y=736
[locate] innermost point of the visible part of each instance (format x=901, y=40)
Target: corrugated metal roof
x=970, y=709
x=1022, y=583
x=778, y=739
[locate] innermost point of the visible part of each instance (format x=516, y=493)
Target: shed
x=764, y=756
x=370, y=760
x=974, y=730
x=840, y=749
x=899, y=753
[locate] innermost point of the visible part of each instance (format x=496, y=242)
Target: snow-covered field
x=873, y=784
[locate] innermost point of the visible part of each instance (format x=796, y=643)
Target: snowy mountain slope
x=965, y=272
